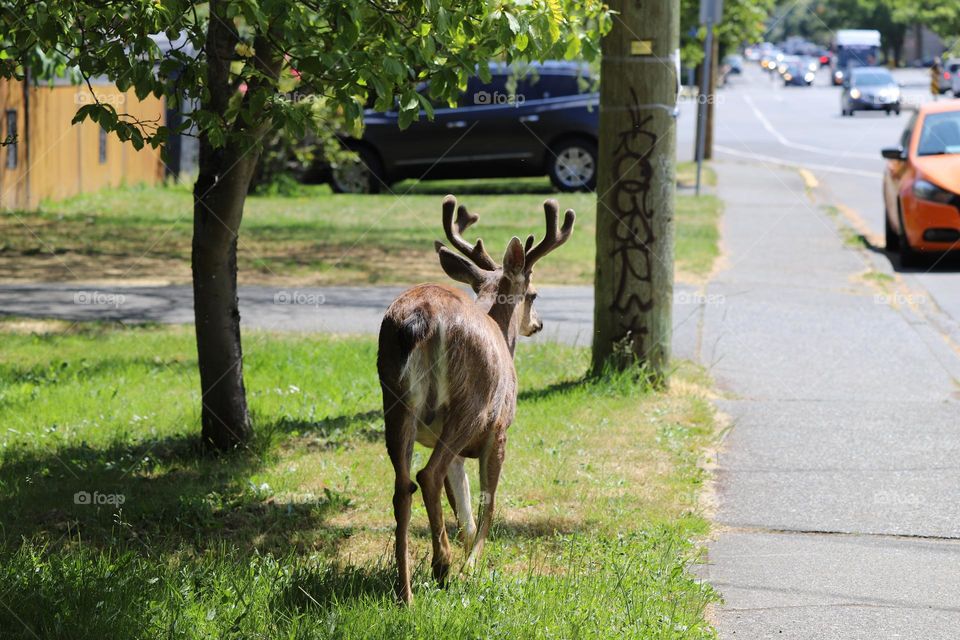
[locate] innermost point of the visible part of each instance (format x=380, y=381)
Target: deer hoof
x=440, y=571
x=404, y=595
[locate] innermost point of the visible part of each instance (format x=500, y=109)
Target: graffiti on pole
x=633, y=173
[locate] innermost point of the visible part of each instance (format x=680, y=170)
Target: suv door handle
x=532, y=118
x=456, y=124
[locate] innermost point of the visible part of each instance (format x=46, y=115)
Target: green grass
x=597, y=524
x=316, y=237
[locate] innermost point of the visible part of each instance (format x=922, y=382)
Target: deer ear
x=459, y=268
x=514, y=258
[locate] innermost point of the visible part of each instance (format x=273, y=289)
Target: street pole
x=712, y=99
x=702, y=98
x=710, y=13
x=639, y=87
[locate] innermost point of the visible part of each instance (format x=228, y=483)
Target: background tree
x=744, y=21
x=869, y=14
x=803, y=18
x=344, y=53
x=943, y=18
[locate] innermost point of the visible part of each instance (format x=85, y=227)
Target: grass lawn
x=597, y=524
x=316, y=237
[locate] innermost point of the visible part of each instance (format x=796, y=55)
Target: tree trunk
x=218, y=198
x=636, y=185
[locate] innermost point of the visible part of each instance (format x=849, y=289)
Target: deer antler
x=553, y=238
x=453, y=229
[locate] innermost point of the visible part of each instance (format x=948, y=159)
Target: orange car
x=921, y=184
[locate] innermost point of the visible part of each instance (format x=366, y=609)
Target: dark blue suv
x=547, y=125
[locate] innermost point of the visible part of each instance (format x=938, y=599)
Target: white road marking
x=796, y=145
x=797, y=165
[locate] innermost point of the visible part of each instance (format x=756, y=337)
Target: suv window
x=557, y=86
x=480, y=93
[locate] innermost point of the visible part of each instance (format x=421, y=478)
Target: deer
x=446, y=367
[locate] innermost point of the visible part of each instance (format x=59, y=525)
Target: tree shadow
x=156, y=496
x=335, y=432
x=556, y=388
x=315, y=588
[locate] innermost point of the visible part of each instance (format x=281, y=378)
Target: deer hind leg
x=431, y=480
x=491, y=462
x=401, y=432
x=458, y=493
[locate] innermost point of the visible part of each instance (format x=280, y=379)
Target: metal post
x=702, y=98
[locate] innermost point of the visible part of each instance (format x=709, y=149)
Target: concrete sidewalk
x=838, y=484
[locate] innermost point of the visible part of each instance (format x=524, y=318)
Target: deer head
x=508, y=287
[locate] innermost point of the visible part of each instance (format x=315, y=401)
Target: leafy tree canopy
x=337, y=55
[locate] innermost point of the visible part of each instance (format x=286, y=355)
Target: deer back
x=441, y=353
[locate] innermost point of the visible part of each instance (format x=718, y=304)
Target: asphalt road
x=762, y=121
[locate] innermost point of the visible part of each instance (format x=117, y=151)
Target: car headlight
x=809, y=77
x=787, y=77
x=855, y=94
x=928, y=191
x=838, y=75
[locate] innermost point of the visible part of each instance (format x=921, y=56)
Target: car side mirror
x=894, y=153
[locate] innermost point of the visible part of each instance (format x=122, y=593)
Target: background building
x=46, y=156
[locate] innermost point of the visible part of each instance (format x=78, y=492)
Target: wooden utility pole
x=639, y=85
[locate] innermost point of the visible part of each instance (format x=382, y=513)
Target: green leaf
x=522, y=41
x=512, y=23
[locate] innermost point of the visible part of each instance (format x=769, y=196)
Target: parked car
x=921, y=183
x=870, y=89
x=547, y=126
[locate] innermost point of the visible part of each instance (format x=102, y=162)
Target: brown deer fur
x=446, y=369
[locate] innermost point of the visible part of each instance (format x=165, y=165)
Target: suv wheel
x=573, y=166
x=362, y=175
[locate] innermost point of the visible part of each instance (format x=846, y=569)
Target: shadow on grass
x=551, y=390
x=320, y=587
x=335, y=432
x=156, y=496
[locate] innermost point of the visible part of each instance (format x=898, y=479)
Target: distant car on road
x=734, y=63
x=798, y=75
x=921, y=183
x=785, y=62
x=870, y=89
x=548, y=125
x=770, y=59
x=949, y=81
x=854, y=48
